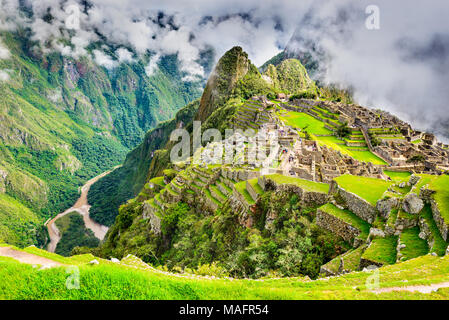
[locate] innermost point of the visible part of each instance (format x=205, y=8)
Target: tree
x=416, y=159
x=343, y=131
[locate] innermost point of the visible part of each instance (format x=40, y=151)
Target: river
x=82, y=207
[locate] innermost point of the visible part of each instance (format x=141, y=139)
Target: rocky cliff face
x=231, y=68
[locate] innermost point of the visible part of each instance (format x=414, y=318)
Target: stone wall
x=425, y=232
x=337, y=226
x=149, y=212
x=251, y=191
x=209, y=204
x=308, y=198
x=442, y=226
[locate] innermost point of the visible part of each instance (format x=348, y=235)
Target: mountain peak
x=231, y=68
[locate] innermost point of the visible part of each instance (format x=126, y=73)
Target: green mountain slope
x=233, y=79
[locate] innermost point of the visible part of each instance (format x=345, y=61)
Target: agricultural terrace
x=398, y=177
x=348, y=217
x=382, y=250
x=441, y=186
x=325, y=136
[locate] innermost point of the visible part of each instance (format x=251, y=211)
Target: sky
x=401, y=65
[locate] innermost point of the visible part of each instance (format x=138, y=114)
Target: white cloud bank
x=403, y=67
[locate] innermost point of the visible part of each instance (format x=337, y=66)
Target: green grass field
x=119, y=281
x=336, y=144
x=304, y=122
x=370, y=189
x=325, y=136
x=398, y=176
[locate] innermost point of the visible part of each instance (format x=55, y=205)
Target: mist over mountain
x=401, y=67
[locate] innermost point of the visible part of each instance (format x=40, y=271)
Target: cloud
x=4, y=52
x=151, y=68
x=4, y=76
x=124, y=55
x=403, y=67
x=163, y=27
x=104, y=60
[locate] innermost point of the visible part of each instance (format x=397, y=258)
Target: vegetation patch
x=74, y=234
x=439, y=245
x=414, y=245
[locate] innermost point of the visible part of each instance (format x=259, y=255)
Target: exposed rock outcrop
x=412, y=203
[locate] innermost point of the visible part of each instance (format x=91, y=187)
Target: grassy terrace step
x=220, y=195
x=370, y=189
x=224, y=188
x=398, y=176
x=210, y=196
x=152, y=203
x=333, y=142
x=348, y=217
x=382, y=250
x=426, y=179
x=351, y=260
x=441, y=197
x=415, y=246
x=157, y=199
x=302, y=120
x=158, y=180
x=439, y=245
x=254, y=183
x=170, y=189
x=303, y=184
x=198, y=182
x=241, y=188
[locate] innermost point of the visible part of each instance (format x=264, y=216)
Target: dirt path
x=420, y=288
x=82, y=207
x=28, y=258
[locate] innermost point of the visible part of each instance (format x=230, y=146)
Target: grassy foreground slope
x=132, y=279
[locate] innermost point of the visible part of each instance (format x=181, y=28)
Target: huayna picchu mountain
x=344, y=188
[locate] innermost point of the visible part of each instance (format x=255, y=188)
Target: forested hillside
x=64, y=120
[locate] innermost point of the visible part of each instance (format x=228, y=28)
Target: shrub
x=304, y=95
